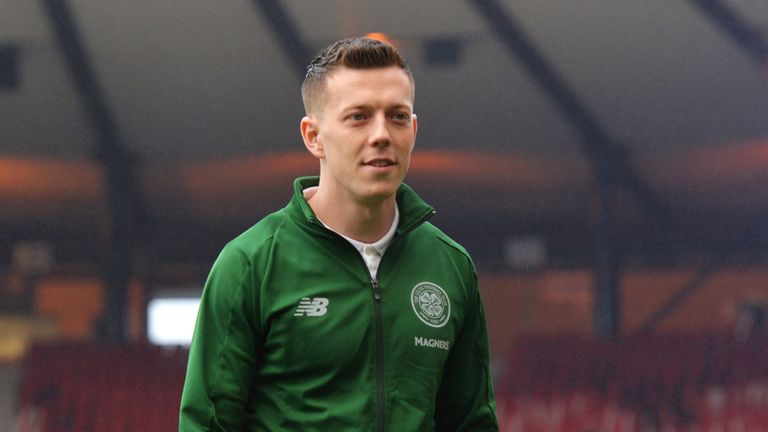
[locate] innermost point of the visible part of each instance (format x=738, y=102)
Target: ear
x=415, y=125
x=309, y=133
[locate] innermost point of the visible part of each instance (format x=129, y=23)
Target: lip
x=380, y=163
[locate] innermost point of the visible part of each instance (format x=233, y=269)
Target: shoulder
x=452, y=262
x=434, y=238
x=442, y=238
x=256, y=239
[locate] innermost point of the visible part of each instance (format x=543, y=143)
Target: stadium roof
x=518, y=104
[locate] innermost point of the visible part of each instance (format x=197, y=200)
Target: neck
x=365, y=222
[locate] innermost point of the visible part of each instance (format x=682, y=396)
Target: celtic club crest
x=431, y=304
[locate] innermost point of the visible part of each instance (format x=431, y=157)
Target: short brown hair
x=354, y=53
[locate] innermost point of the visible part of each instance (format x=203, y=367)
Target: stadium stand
x=85, y=387
x=665, y=383
x=645, y=383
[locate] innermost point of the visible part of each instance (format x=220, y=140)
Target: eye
x=401, y=116
x=358, y=116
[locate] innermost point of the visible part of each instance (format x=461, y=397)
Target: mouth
x=380, y=163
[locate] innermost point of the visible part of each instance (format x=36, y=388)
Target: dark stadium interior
x=605, y=163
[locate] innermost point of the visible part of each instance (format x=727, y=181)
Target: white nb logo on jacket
x=312, y=307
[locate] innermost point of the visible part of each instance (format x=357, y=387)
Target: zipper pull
x=375, y=286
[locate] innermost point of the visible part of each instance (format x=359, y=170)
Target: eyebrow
x=367, y=107
x=401, y=106
x=356, y=107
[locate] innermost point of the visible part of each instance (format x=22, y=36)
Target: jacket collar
x=413, y=210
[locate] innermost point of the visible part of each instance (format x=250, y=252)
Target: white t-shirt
x=371, y=252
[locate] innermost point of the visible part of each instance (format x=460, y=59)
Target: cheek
x=341, y=156
x=408, y=144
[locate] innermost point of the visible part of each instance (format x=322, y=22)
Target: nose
x=380, y=136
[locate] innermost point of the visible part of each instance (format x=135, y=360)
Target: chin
x=379, y=193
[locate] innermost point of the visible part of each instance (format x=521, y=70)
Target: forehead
x=346, y=87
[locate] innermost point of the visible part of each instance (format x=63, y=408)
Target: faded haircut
x=354, y=53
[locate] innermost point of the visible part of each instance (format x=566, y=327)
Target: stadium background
x=606, y=164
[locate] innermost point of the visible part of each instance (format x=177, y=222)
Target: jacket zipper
x=380, y=394
x=379, y=355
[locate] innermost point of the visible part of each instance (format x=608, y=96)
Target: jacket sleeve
x=224, y=349
x=465, y=400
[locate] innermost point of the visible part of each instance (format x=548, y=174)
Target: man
x=346, y=310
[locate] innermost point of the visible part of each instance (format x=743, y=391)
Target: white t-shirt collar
x=381, y=245
x=371, y=252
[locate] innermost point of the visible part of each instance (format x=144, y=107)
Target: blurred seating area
x=644, y=383
x=549, y=384
x=86, y=387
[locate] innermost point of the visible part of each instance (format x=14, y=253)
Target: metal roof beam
x=596, y=142
x=120, y=181
x=286, y=32
x=611, y=166
x=728, y=20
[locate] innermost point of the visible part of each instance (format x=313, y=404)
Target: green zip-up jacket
x=293, y=334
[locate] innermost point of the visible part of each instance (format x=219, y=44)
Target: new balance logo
x=312, y=307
